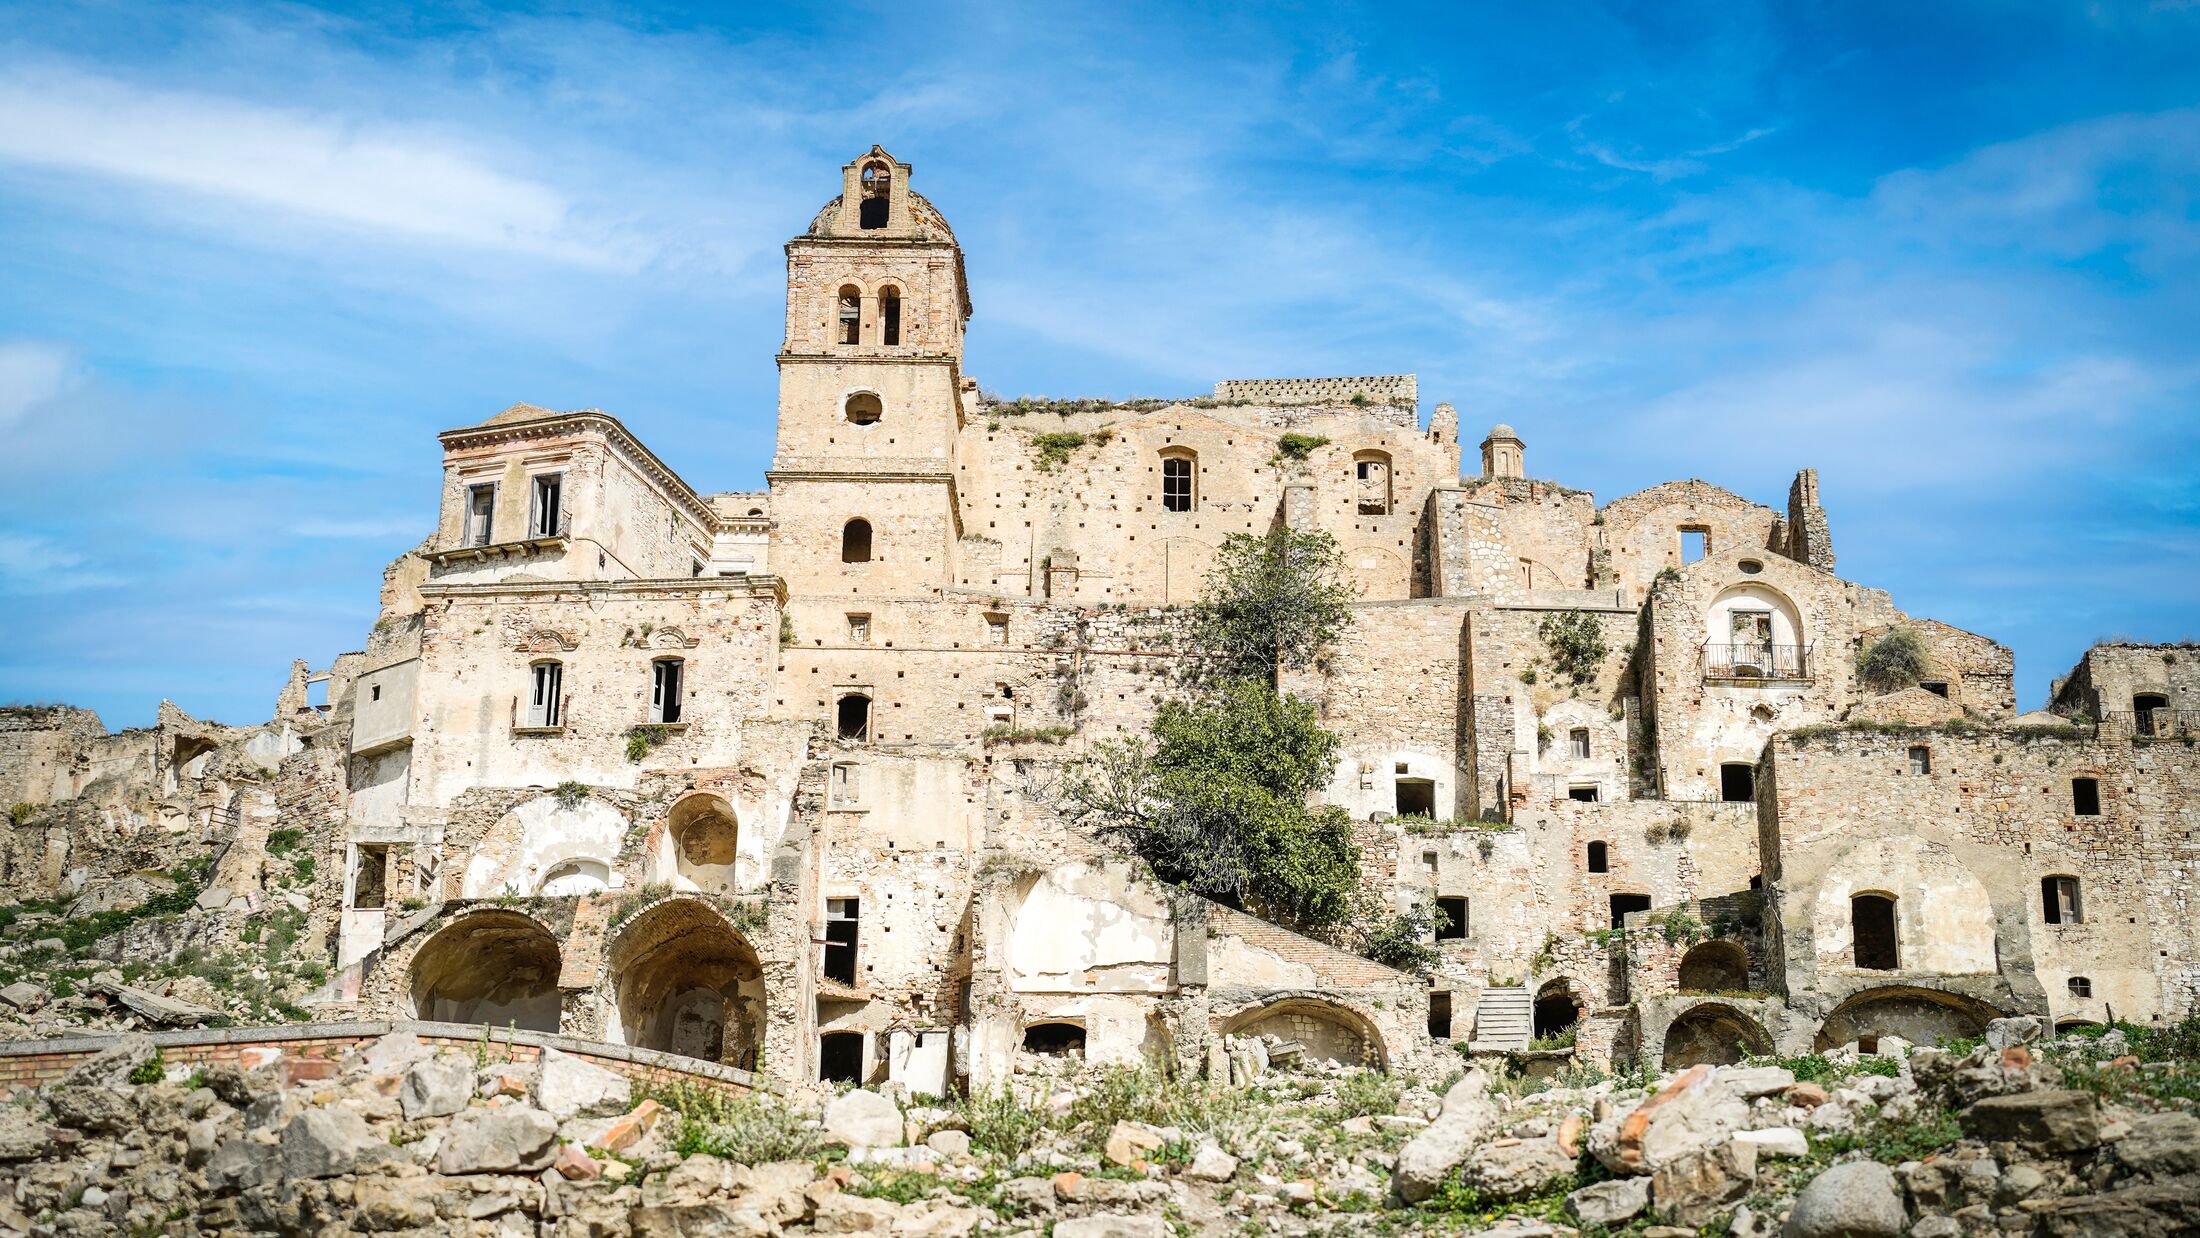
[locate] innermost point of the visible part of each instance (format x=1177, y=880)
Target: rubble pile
x=404, y=1138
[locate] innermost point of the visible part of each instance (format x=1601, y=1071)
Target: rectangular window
x=1439, y=1015
x=1752, y=628
x=1416, y=797
x=1695, y=544
x=1737, y=783
x=1624, y=903
x=841, y=916
x=547, y=519
x=1454, y=927
x=1921, y=760
x=542, y=701
x=2059, y=899
x=2085, y=797
x=664, y=690
x=844, y=785
x=1585, y=794
x=2081, y=986
x=481, y=511
x=1938, y=687
x=1176, y=483
x=1577, y=743
x=370, y=886
x=996, y=629
x=859, y=629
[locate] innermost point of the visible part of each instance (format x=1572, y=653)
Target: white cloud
x=334, y=170
x=31, y=374
x=30, y=564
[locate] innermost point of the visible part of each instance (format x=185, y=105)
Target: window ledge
x=847, y=808
x=1759, y=681
x=674, y=727
x=497, y=550
x=538, y=730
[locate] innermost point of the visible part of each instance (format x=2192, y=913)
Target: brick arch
x=685, y=979
x=1329, y=1029
x=1712, y=1033
x=490, y=965
x=1917, y=1014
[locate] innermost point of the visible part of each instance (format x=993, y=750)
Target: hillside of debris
x=2080, y=1136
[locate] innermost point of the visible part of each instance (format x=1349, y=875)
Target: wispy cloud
x=37, y=565
x=31, y=374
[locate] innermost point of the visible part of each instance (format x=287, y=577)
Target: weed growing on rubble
x=22, y=813
x=999, y=1122
x=734, y=1126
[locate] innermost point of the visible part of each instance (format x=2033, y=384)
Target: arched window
x=878, y=196
x=1754, y=632
x=1371, y=482
x=853, y=717
x=851, y=314
x=2081, y=986
x=1599, y=859
x=1179, y=481
x=665, y=675
x=863, y=408
x=1871, y=921
x=576, y=877
x=889, y=315
x=855, y=542
x=545, y=694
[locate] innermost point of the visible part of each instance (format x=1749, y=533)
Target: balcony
x=536, y=539
x=2155, y=723
x=1755, y=663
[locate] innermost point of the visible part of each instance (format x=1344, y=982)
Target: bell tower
x=870, y=391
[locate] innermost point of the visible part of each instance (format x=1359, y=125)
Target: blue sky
x=253, y=258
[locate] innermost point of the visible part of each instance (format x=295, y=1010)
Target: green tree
x=1217, y=802
x=1895, y=661
x=1272, y=603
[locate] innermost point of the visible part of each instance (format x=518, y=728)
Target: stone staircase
x=1504, y=1021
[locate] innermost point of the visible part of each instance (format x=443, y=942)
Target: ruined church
x=769, y=778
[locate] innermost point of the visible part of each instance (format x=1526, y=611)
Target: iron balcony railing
x=1755, y=661
x=2156, y=723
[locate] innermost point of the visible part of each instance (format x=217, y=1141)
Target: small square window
x=859, y=629
x=1585, y=794
x=2085, y=797
x=1921, y=760
x=2081, y=986
x=1577, y=743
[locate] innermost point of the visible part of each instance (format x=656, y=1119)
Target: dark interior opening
x=2142, y=711
x=1055, y=1039
x=854, y=717
x=2085, y=797
x=842, y=915
x=855, y=542
x=1439, y=1015
x=1599, y=858
x=872, y=213
x=1737, y=782
x=1587, y=795
x=840, y=1057
x=1416, y=797
x=1871, y=918
x=1555, y=1011
x=1624, y=903
x=1454, y=927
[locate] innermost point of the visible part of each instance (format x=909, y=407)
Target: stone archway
x=1326, y=1032
x=493, y=966
x=1920, y=1016
x=1557, y=1008
x=1712, y=1034
x=702, y=839
x=685, y=981
x=1715, y=967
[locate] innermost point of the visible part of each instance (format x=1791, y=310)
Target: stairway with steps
x=1504, y=1021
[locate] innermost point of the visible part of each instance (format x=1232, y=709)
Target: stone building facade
x=771, y=777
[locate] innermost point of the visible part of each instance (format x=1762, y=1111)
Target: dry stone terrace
x=767, y=780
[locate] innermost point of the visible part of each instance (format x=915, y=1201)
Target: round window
x=1751, y=566
x=863, y=408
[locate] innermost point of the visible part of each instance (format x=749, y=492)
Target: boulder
x=153, y=1008
x=2161, y=1145
x=1113, y=1227
x=506, y=1139
x=326, y=1143
x=863, y=1119
x=2057, y=1120
x=435, y=1088
x=2148, y=1210
x=22, y=1135
x=841, y=1213
x=1611, y=1202
x=1693, y=1189
x=950, y=1144
x=572, y=1087
x=1511, y=1168
x=1686, y=1116
x=1430, y=1156
x=1751, y=1082
x=1211, y=1164
x=111, y=1066
x=2022, y=1030
x=715, y=1219
x=23, y=995
x=1782, y=1141
x=1133, y=1141
x=1855, y=1199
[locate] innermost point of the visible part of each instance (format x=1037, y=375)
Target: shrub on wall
x=1893, y=662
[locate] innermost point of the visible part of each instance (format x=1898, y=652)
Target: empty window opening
x=1695, y=543
x=864, y=409
x=1179, y=490
x=1439, y=1015
x=1585, y=793
x=1625, y=903
x=2085, y=797
x=851, y=315
x=1921, y=760
x=1938, y=687
x=1737, y=782
x=1577, y=743
x=1871, y=922
x=846, y=786
x=842, y=916
x=859, y=629
x=855, y=542
x=548, y=519
x=317, y=692
x=854, y=717
x=996, y=629
x=1416, y=797
x=2059, y=899
x=1454, y=927
x=664, y=690
x=1371, y=475
x=878, y=197
x=2081, y=986
x=1599, y=858
x=1055, y=1039
x=889, y=316
x=481, y=512
x=840, y=1057
x=544, y=706
x=2142, y=711
x=370, y=887
x=374, y=692
x=1867, y=1044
